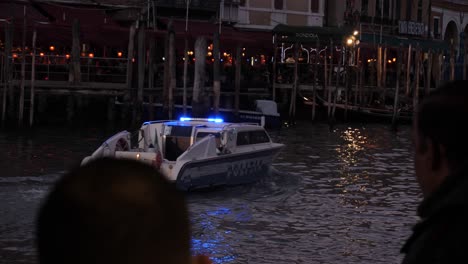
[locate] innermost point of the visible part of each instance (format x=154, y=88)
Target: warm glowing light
x=349, y=41
x=210, y=53
x=389, y=61
x=119, y=54
x=51, y=48
x=15, y=55
x=41, y=54
x=355, y=33
x=225, y=54
x=394, y=59
x=67, y=56
x=91, y=55
x=369, y=60
x=243, y=54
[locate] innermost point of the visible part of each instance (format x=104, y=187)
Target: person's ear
x=201, y=259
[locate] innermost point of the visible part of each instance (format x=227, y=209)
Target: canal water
x=341, y=196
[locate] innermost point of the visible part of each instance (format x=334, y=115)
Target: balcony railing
x=56, y=68
x=208, y=5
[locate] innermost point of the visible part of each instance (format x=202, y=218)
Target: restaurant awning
x=397, y=41
x=303, y=34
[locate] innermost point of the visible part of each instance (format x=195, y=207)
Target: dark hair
x=113, y=211
x=441, y=117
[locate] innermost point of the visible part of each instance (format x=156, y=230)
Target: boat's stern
x=169, y=170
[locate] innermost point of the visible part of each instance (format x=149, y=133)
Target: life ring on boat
x=122, y=145
x=157, y=160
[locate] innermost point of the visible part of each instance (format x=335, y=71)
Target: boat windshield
x=178, y=139
x=217, y=136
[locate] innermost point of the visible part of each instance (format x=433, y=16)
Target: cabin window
x=243, y=138
x=177, y=141
x=252, y=137
x=217, y=136
x=259, y=136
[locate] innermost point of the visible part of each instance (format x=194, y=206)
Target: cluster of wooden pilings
x=367, y=82
x=18, y=92
x=366, y=79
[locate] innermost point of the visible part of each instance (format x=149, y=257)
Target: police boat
x=197, y=153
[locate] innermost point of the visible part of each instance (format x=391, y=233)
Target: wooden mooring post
x=337, y=85
x=7, y=74
x=216, y=77
x=274, y=74
x=141, y=61
x=151, y=68
x=452, y=61
x=340, y=63
x=465, y=62
x=33, y=79
x=417, y=60
x=397, y=90
x=292, y=105
x=172, y=73
x=408, y=71
x=23, y=71
x=199, y=93
x=384, y=75
x=314, y=83
x=328, y=79
x=427, y=86
x=186, y=58
x=237, y=81
x=379, y=68
x=129, y=79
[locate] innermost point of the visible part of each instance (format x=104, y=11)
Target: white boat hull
x=231, y=169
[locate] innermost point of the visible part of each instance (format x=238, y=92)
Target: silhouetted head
x=441, y=141
x=113, y=211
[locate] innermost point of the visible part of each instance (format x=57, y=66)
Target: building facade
x=390, y=17
x=450, y=21
x=266, y=14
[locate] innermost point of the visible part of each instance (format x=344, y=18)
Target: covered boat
x=197, y=153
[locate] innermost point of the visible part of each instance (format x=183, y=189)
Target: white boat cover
x=267, y=107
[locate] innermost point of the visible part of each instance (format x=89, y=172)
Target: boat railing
x=157, y=122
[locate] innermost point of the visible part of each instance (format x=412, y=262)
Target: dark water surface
x=347, y=196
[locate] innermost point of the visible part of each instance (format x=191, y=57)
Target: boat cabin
x=174, y=137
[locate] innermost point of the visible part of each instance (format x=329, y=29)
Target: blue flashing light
x=216, y=120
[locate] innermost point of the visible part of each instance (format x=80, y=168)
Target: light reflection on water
x=346, y=196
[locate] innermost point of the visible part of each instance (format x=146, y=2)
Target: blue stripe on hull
x=225, y=170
